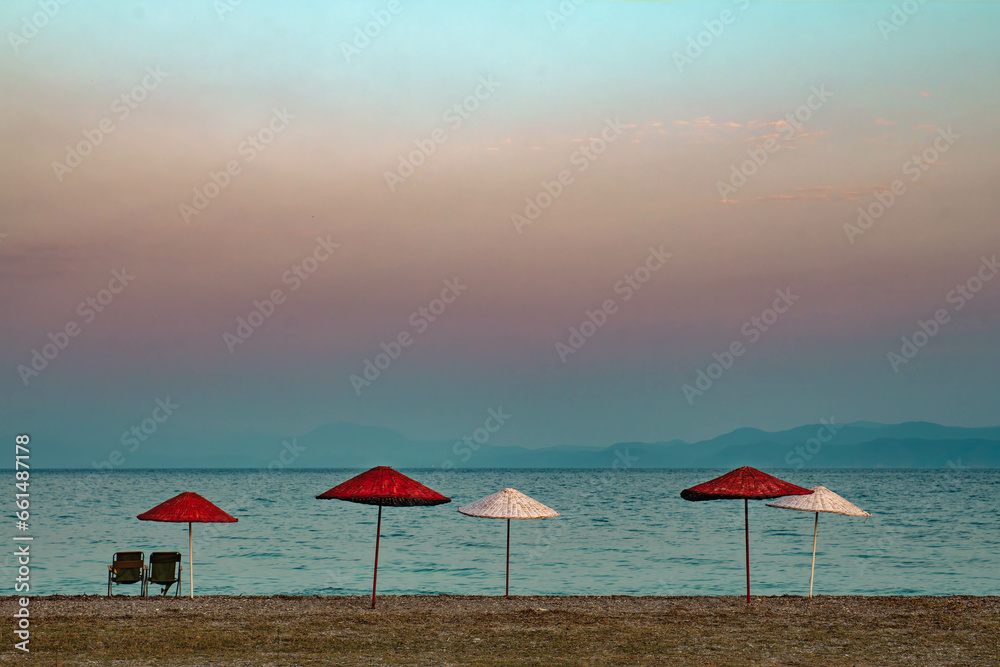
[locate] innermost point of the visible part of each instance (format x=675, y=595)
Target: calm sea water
x=933, y=532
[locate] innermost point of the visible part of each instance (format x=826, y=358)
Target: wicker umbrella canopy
x=508, y=504
x=384, y=486
x=821, y=499
x=188, y=508
x=744, y=483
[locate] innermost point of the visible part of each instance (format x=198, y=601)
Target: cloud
x=39, y=260
x=823, y=193
x=815, y=193
x=38, y=253
x=806, y=135
x=772, y=123
x=859, y=192
x=883, y=121
x=706, y=129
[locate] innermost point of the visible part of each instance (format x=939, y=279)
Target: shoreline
x=520, y=630
x=102, y=606
x=56, y=604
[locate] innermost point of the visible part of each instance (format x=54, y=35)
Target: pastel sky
x=682, y=120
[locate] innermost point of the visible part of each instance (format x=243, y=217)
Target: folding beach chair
x=164, y=570
x=127, y=567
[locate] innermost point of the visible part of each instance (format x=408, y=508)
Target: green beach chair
x=127, y=567
x=164, y=570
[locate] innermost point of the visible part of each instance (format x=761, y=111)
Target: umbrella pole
x=507, y=588
x=191, y=559
x=812, y=572
x=746, y=527
x=378, y=532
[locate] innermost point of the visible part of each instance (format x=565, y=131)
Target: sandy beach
x=479, y=630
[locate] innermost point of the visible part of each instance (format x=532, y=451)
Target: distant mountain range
x=347, y=445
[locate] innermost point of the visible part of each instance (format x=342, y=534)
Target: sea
x=620, y=531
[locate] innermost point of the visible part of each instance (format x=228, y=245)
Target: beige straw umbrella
x=821, y=499
x=508, y=504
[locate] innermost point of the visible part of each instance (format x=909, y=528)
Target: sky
x=784, y=190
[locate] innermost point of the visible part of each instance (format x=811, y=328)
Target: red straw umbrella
x=746, y=483
x=191, y=508
x=384, y=486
